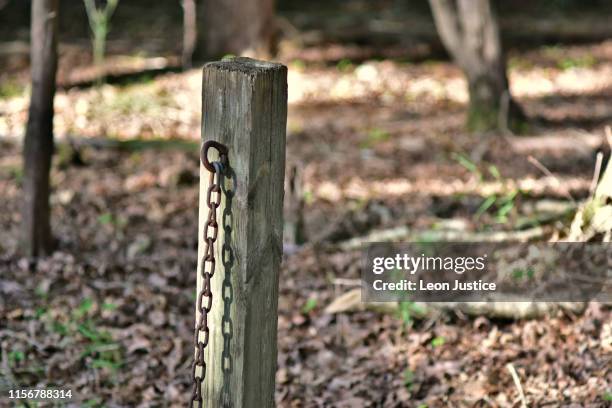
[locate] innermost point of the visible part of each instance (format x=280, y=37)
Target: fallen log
x=403, y=233
x=498, y=309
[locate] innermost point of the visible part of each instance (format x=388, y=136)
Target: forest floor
x=380, y=144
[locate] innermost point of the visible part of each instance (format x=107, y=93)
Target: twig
x=596, y=172
x=289, y=30
x=347, y=282
x=517, y=383
x=544, y=170
x=504, y=112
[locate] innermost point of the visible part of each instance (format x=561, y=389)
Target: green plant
x=97, y=346
x=309, y=306
x=438, y=341
x=59, y=328
x=408, y=378
x=519, y=63
x=519, y=273
x=40, y=291
x=494, y=171
x=344, y=64
x=407, y=310
x=93, y=402
x=374, y=136
x=405, y=313
x=503, y=203
x=10, y=88
x=99, y=343
x=83, y=308
x=111, y=220
x=16, y=173
x=586, y=61
x=308, y=197
x=468, y=164
x=298, y=64
x=40, y=312
x=485, y=205
x=16, y=356
x=99, y=22
x=105, y=219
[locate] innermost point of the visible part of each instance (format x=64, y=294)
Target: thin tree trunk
x=190, y=32
x=469, y=31
x=238, y=27
x=38, y=145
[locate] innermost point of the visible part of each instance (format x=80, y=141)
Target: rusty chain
x=207, y=267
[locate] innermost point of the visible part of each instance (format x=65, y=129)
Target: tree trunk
x=190, y=33
x=238, y=27
x=38, y=144
x=469, y=31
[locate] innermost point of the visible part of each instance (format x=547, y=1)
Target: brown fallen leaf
x=138, y=344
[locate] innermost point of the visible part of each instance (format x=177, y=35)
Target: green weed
x=93, y=402
x=502, y=204
x=16, y=356
x=309, y=306
x=16, y=173
x=344, y=65
x=519, y=273
x=468, y=164
x=373, y=137
x=111, y=220
x=585, y=61
x=408, y=378
x=408, y=310
x=308, y=197
x=98, y=347
x=298, y=64
x=10, y=89
x=438, y=341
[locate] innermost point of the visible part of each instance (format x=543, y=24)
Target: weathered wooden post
x=244, y=107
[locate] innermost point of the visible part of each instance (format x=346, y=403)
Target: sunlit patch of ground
x=170, y=105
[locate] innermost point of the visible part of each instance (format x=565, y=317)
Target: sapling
x=99, y=19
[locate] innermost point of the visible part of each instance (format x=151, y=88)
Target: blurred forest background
x=385, y=141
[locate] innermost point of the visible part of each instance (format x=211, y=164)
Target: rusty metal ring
x=204, y=153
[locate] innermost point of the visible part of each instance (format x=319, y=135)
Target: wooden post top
x=245, y=65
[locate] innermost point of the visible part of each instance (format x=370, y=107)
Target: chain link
x=207, y=268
